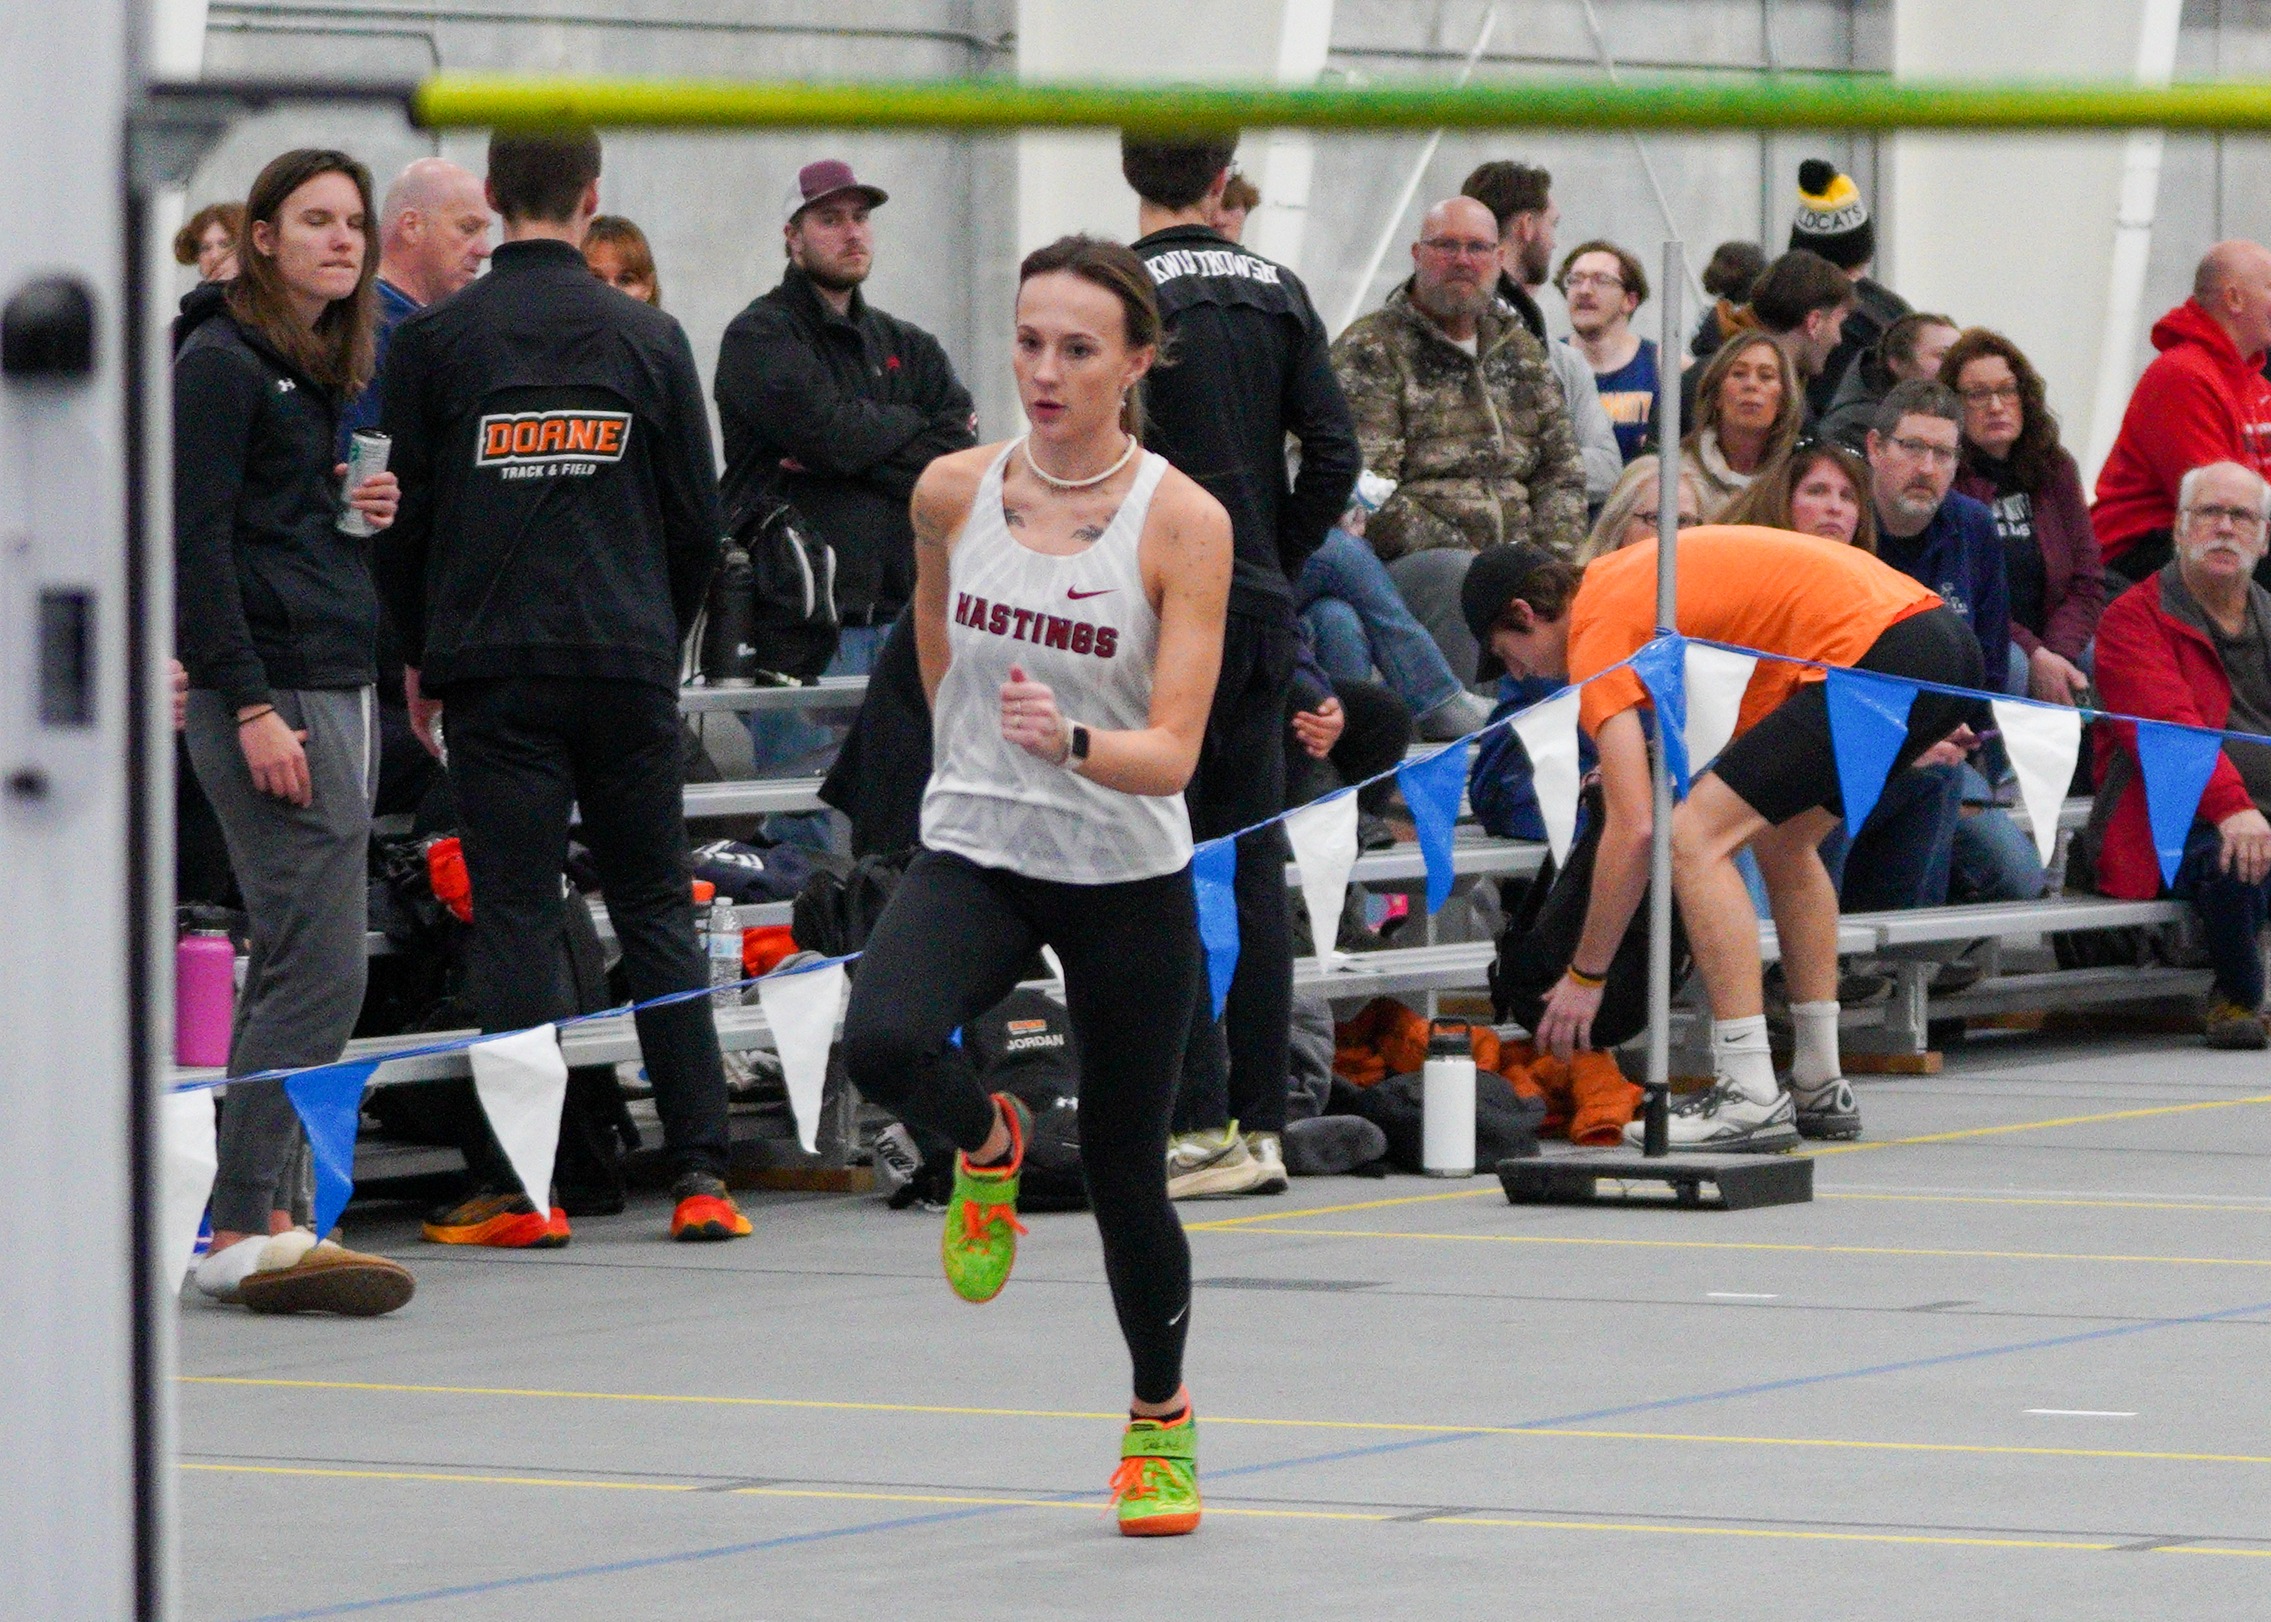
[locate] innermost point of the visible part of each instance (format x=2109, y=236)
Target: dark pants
x=1237, y=1068
x=2231, y=915
x=950, y=946
x=522, y=754
x=1373, y=739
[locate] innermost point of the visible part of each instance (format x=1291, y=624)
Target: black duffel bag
x=1538, y=941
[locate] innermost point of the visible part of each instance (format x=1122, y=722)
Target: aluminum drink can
x=367, y=451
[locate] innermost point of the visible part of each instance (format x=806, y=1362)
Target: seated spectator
x=2013, y=462
x=1340, y=733
x=1634, y=508
x=1455, y=401
x=1911, y=347
x=1734, y=267
x=1521, y=199
x=2192, y=645
x=1603, y=286
x=1748, y=411
x=1820, y=488
x=1240, y=197
x=619, y=255
x=1833, y=222
x=2203, y=399
x=1357, y=624
x=209, y=241
x=1801, y=302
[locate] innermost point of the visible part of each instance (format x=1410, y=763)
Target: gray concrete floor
x=2010, y=1364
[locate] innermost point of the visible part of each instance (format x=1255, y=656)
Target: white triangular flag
x=802, y=1008
x=1549, y=737
x=2042, y=741
x=521, y=1081
x=1323, y=836
x=185, y=1136
x=1716, y=679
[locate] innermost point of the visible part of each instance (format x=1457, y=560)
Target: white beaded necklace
x=1046, y=477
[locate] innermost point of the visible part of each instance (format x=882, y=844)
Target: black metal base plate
x=1735, y=1182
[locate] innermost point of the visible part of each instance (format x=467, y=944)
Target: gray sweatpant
x=306, y=886
x=1429, y=583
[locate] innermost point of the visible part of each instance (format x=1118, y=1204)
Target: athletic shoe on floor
x=1211, y=1166
x=979, y=1246
x=705, y=1210
x=500, y=1221
x=328, y=1277
x=1156, y=1488
x=1269, y=1154
x=1827, y=1111
x=2231, y=1026
x=1724, y=1120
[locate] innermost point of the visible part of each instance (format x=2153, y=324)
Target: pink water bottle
x=204, y=997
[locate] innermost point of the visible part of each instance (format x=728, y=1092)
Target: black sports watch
x=1076, y=752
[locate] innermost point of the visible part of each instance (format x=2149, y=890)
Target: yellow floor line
x=1336, y=1210
x=2193, y=1548
x=1768, y=1245
x=2085, y=1204
x=1393, y=1427
x=1096, y=1505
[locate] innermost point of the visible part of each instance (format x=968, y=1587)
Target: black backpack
x=1540, y=937
x=836, y=909
x=777, y=588
x=1022, y=1046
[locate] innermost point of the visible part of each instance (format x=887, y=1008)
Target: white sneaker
x=1211, y=1165
x=1722, y=1119
x=1269, y=1153
x=1827, y=1111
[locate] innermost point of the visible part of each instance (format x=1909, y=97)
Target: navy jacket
x=1960, y=555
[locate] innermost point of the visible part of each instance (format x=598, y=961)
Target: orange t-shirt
x=1768, y=589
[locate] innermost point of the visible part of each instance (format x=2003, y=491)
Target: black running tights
x=950, y=945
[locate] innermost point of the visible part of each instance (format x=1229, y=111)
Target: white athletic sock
x=1741, y=1059
x=1816, y=1060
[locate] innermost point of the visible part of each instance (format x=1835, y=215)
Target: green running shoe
x=1156, y=1487
x=979, y=1246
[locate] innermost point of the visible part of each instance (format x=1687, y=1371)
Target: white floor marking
x=1741, y=1295
x=2085, y=1413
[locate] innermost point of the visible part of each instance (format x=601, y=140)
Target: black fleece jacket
x=1247, y=364
x=559, y=501
x=861, y=402
x=268, y=593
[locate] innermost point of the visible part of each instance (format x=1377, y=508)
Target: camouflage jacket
x=1480, y=446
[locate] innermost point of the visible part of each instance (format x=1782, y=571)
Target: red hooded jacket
x=2153, y=664
x=2200, y=401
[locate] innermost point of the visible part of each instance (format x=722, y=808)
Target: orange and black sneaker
x=498, y=1220
x=705, y=1210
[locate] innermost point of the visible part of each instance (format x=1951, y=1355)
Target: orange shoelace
x=1135, y=1478
x=977, y=1218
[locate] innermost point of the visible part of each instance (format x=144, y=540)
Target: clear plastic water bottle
x=722, y=934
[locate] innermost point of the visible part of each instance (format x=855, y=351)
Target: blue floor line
x=1763, y=1388
x=1589, y=1416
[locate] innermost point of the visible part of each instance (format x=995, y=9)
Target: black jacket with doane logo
x=559, y=499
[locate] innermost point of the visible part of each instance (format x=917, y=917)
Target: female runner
x=1069, y=600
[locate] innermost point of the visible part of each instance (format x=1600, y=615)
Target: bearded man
x=827, y=401
x=1455, y=401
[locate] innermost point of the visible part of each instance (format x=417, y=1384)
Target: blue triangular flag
x=1868, y=719
x=1431, y=791
x=1662, y=669
x=330, y=1102
x=1214, y=869
x=2176, y=762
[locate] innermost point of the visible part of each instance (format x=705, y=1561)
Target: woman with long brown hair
x=1819, y=488
x=277, y=621
x=1070, y=596
x=1749, y=409
x=2012, y=461
x=620, y=255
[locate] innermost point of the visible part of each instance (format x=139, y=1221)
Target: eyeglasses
x=2247, y=520
x=1989, y=393
x=1459, y=247
x=1593, y=278
x=1923, y=451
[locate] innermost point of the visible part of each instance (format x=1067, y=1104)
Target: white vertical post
x=81, y=1341
x=1655, y=1124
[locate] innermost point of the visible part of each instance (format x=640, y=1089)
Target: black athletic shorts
x=1787, y=764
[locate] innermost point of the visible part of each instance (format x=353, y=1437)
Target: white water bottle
x=722, y=938
x=1447, y=1102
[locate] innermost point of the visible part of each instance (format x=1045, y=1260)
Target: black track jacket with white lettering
x=1249, y=364
x=559, y=498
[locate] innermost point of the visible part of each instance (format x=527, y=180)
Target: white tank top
x=1083, y=624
